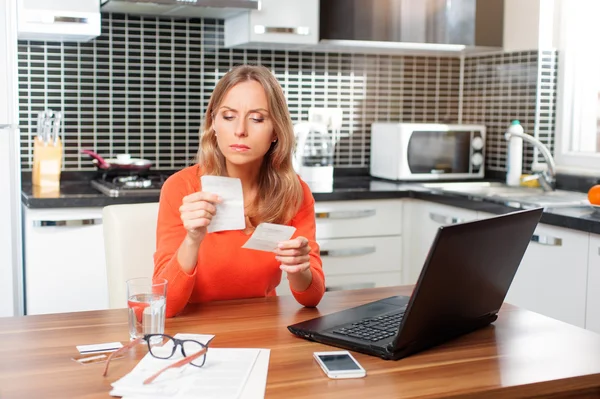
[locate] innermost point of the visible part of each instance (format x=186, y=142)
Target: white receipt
x=268, y=235
x=230, y=212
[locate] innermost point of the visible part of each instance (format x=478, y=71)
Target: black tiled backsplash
x=142, y=88
x=501, y=87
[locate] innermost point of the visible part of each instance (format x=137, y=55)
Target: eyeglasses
x=162, y=346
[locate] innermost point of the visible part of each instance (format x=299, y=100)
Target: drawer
x=350, y=282
x=364, y=257
x=342, y=219
x=364, y=280
x=361, y=255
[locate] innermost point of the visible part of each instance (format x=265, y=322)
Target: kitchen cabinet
x=64, y=260
x=422, y=220
x=360, y=242
x=592, y=319
x=62, y=20
x=552, y=277
x=286, y=22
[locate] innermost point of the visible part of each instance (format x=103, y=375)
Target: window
x=578, y=101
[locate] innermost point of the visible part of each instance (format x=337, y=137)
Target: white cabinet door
x=552, y=276
x=368, y=218
x=277, y=21
x=350, y=263
x=361, y=255
x=421, y=222
x=364, y=280
x=592, y=320
x=65, y=268
x=485, y=215
x=360, y=244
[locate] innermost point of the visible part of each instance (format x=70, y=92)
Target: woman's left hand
x=294, y=255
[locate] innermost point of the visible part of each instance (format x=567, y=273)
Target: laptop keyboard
x=373, y=329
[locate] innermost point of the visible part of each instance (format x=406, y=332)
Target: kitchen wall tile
x=143, y=85
x=501, y=87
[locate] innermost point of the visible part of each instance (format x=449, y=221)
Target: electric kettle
x=313, y=158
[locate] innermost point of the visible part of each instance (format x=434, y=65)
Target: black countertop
x=79, y=193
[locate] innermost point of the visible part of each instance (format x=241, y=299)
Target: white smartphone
x=339, y=364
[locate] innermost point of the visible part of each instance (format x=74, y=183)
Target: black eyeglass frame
x=146, y=337
x=176, y=342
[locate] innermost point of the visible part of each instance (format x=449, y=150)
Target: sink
x=471, y=185
x=541, y=198
x=523, y=195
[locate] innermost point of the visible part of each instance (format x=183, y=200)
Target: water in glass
x=146, y=314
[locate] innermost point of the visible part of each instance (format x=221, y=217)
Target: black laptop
x=464, y=281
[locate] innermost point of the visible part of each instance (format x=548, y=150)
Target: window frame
x=567, y=160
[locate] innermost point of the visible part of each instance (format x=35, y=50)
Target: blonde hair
x=280, y=192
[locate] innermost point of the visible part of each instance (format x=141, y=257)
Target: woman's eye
x=228, y=117
x=258, y=120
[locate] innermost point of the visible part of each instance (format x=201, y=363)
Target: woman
x=247, y=134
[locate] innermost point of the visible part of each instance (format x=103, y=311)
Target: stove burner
x=132, y=181
x=130, y=185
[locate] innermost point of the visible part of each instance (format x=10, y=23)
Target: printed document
x=227, y=374
x=268, y=235
x=230, y=212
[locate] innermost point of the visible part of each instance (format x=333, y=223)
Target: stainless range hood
x=181, y=8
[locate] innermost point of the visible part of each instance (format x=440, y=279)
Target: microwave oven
x=427, y=151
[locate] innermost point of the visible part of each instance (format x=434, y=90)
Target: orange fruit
x=594, y=195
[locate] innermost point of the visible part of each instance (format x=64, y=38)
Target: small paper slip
x=230, y=212
x=95, y=358
x=268, y=235
x=99, y=348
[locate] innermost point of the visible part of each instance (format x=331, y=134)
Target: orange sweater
x=224, y=270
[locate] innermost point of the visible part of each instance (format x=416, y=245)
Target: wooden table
x=521, y=355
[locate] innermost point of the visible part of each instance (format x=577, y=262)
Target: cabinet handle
x=443, y=219
x=348, y=251
x=58, y=18
x=547, y=240
x=70, y=20
x=299, y=30
x=355, y=286
x=67, y=223
x=346, y=214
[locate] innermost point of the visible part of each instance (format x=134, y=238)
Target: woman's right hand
x=197, y=210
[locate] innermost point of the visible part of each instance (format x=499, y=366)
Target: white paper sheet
x=268, y=235
x=230, y=212
x=227, y=373
x=257, y=382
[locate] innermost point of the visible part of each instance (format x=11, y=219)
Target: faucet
x=547, y=178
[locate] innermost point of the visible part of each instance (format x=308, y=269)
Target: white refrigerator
x=11, y=253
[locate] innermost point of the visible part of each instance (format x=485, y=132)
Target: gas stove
x=127, y=186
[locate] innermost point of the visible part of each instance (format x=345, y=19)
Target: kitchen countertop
x=79, y=193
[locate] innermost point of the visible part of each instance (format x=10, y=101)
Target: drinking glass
x=146, y=301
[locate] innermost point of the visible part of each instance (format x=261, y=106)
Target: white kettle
x=313, y=158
